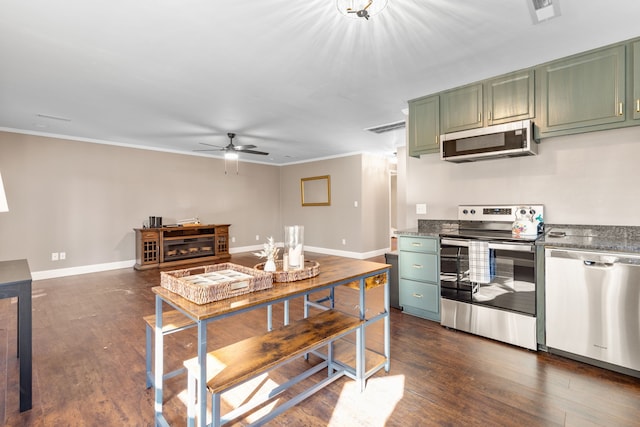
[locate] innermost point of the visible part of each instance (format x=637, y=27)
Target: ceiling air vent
x=387, y=128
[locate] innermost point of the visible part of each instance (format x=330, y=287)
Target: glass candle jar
x=293, y=247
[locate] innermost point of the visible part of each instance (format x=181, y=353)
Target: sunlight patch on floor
x=372, y=407
x=256, y=388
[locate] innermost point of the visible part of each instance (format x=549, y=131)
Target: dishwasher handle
x=598, y=265
x=596, y=259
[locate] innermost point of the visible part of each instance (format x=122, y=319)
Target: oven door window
x=454, y=273
x=512, y=286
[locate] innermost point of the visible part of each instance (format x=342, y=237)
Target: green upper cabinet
x=582, y=91
x=424, y=126
x=636, y=80
x=510, y=98
x=462, y=108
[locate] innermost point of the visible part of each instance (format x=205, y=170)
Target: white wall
x=591, y=178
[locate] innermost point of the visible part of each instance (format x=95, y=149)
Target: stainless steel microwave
x=506, y=140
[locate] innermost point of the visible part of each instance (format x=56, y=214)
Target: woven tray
x=311, y=269
x=210, y=283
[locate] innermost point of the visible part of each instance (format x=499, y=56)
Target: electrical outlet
x=344, y=241
x=233, y=240
x=63, y=255
x=421, y=208
x=257, y=237
x=355, y=204
x=54, y=256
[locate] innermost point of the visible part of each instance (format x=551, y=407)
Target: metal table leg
x=159, y=362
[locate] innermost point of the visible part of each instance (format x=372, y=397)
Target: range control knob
x=523, y=211
x=473, y=211
x=532, y=211
x=464, y=211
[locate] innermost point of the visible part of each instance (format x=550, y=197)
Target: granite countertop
x=430, y=228
x=592, y=237
x=587, y=237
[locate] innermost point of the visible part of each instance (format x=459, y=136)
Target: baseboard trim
x=83, y=269
x=96, y=268
x=347, y=254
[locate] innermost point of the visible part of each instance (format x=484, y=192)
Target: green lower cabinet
x=420, y=299
x=419, y=271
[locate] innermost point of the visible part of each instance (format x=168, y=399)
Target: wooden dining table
x=334, y=271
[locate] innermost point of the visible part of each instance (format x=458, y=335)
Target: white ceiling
x=295, y=78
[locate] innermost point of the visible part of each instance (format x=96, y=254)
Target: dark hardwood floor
x=88, y=364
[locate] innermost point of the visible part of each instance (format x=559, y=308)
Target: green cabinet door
x=636, y=80
x=510, y=97
x=419, y=276
x=583, y=91
x=424, y=126
x=462, y=108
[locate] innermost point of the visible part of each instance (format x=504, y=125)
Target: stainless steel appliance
x=505, y=140
x=502, y=304
x=592, y=304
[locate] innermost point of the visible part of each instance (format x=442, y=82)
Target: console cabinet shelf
x=174, y=246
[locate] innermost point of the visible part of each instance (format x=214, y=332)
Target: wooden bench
x=237, y=363
x=172, y=321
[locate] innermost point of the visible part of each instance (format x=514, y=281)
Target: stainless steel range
x=488, y=272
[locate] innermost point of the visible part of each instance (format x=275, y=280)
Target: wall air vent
x=388, y=127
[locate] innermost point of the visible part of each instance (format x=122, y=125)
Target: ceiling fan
x=249, y=148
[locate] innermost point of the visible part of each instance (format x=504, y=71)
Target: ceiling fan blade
x=210, y=145
x=254, y=152
x=210, y=149
x=244, y=147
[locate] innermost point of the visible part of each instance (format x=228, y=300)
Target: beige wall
x=376, y=221
x=590, y=178
x=360, y=179
x=84, y=198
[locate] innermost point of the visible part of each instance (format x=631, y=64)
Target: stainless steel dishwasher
x=593, y=307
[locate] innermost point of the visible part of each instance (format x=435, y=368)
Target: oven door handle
x=516, y=247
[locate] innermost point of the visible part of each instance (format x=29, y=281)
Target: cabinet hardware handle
x=417, y=295
x=438, y=141
x=620, y=108
x=417, y=244
x=490, y=115
x=418, y=266
x=479, y=117
x=638, y=105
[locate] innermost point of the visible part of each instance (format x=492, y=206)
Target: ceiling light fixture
x=543, y=10
x=360, y=8
x=230, y=156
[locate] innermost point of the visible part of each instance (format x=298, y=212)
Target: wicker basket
x=311, y=269
x=210, y=283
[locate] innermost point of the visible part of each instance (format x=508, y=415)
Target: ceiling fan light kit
x=231, y=151
x=360, y=9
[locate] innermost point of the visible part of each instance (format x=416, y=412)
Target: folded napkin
x=479, y=264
